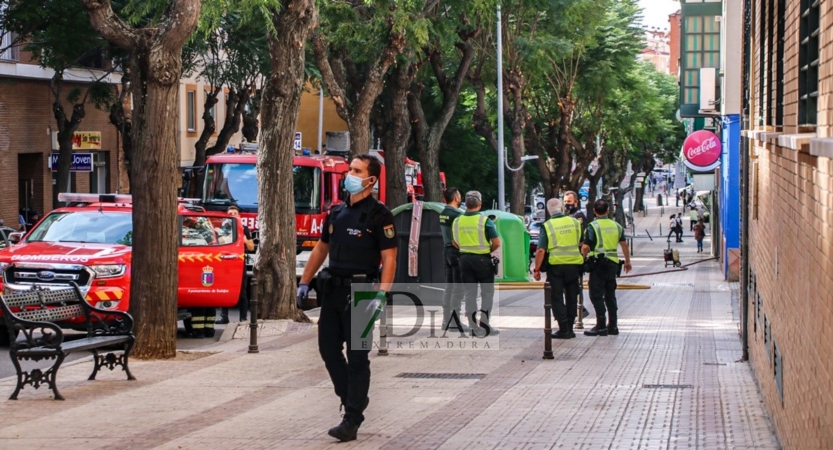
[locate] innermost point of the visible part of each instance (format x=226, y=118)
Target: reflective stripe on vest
x=563, y=236
x=470, y=234
x=607, y=238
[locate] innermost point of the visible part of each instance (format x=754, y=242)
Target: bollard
x=547, y=322
x=659, y=199
x=253, y=302
x=580, y=314
x=383, y=327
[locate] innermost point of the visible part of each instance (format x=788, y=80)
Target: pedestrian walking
x=561, y=241
x=452, y=297
x=677, y=204
x=693, y=216
x=572, y=207
x=356, y=235
x=672, y=226
x=243, y=300
x=600, y=243
x=679, y=220
x=699, y=234
x=476, y=236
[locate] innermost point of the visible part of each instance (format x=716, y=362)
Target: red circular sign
x=702, y=149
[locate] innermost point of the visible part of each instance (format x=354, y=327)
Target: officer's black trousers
x=453, y=295
x=478, y=270
x=603, y=292
x=351, y=377
x=564, y=279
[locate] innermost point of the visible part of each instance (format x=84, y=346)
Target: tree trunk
x=251, y=125
x=121, y=120
x=66, y=131
x=393, y=122
x=275, y=266
x=156, y=67
x=208, y=129
x=517, y=198
x=356, y=112
x=235, y=103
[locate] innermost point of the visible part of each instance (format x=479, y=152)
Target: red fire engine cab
x=89, y=242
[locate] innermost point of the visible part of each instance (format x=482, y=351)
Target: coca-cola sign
x=702, y=150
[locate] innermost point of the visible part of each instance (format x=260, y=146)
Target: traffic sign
x=297, y=144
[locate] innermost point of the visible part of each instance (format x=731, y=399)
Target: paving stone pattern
x=670, y=380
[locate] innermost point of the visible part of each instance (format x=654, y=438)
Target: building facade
x=789, y=125
x=657, y=49
x=27, y=129
x=192, y=94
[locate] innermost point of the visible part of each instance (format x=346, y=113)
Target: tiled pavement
x=669, y=380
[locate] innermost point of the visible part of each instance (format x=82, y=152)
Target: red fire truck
x=232, y=179
x=89, y=242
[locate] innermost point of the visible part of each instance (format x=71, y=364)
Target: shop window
x=808, y=62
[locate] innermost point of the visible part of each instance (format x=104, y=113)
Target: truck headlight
x=108, y=270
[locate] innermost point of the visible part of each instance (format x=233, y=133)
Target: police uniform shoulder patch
x=389, y=232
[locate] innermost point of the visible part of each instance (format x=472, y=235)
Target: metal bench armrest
x=102, y=322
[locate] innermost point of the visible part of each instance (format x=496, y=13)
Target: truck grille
x=47, y=276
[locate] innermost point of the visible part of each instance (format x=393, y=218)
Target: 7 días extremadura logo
x=414, y=317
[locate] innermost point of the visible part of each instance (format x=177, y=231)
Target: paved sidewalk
x=669, y=380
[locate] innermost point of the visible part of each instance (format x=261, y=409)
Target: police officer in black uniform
x=572, y=206
x=453, y=294
x=357, y=236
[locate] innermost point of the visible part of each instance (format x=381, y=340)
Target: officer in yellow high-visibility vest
x=601, y=240
x=476, y=236
x=561, y=240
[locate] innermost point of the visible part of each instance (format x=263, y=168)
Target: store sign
x=81, y=162
x=86, y=140
x=81, y=140
x=702, y=150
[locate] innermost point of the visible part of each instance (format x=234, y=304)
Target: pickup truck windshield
x=227, y=184
x=85, y=226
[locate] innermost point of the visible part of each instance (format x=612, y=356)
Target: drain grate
x=667, y=386
x=444, y=376
x=714, y=364
x=691, y=285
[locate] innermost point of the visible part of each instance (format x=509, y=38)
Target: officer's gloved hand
x=303, y=293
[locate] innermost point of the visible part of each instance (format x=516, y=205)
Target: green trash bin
x=514, y=246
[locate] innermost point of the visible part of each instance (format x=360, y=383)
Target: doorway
x=29, y=183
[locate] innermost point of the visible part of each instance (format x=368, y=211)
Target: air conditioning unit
x=708, y=89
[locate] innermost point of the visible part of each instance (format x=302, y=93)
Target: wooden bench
x=34, y=313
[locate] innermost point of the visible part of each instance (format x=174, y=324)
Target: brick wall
x=25, y=144
x=791, y=247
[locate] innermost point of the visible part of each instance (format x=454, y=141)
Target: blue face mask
x=353, y=184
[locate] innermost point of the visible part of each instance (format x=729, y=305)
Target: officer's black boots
x=345, y=431
x=598, y=330
x=612, y=329
x=223, y=316
x=564, y=331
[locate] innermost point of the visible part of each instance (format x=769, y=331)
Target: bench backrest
x=39, y=305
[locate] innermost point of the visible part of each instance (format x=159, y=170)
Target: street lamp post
x=501, y=194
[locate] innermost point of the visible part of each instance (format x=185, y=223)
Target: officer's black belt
x=348, y=281
x=482, y=255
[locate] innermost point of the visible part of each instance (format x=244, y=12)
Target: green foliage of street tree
x=58, y=36
x=234, y=57
x=356, y=43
